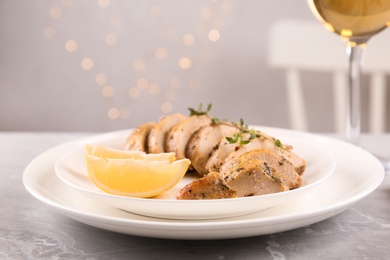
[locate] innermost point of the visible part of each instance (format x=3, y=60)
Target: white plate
x=357, y=174
x=71, y=170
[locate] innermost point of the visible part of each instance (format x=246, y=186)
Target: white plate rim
x=228, y=228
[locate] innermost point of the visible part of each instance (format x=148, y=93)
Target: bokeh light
x=103, y=3
x=113, y=113
x=161, y=53
x=49, y=32
x=214, y=35
x=71, y=46
x=185, y=63
x=188, y=39
x=107, y=91
x=101, y=79
x=142, y=83
x=55, y=13
x=111, y=39
x=87, y=64
x=166, y=107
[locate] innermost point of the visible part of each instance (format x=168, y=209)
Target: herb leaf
x=200, y=110
x=231, y=140
x=245, y=134
x=278, y=143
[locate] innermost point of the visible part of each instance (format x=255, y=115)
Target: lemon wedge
x=134, y=177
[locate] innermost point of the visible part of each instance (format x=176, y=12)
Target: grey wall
x=43, y=87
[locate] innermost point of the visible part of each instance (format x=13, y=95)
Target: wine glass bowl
x=354, y=20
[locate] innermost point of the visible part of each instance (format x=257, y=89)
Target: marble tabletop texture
x=30, y=229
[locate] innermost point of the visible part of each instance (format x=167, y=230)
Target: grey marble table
x=30, y=229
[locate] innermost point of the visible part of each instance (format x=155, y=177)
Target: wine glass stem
x=355, y=54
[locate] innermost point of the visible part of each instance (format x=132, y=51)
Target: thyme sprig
x=237, y=139
x=200, y=110
x=240, y=137
x=244, y=136
x=278, y=143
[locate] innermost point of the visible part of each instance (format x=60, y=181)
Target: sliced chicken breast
x=252, y=178
x=210, y=186
x=277, y=167
x=202, y=143
x=256, y=172
x=262, y=142
x=218, y=155
x=179, y=135
x=286, y=151
x=156, y=140
x=137, y=139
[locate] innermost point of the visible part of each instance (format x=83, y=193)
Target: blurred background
x=102, y=65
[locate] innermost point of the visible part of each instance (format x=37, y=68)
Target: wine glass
x=356, y=21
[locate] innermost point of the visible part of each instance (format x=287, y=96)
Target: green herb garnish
x=200, y=110
x=244, y=136
x=278, y=143
x=239, y=137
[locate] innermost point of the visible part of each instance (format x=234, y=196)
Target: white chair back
x=305, y=45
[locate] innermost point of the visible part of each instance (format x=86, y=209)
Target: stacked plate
x=338, y=175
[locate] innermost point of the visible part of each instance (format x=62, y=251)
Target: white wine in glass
x=356, y=21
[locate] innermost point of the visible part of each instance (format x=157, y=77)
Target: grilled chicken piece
x=156, y=140
x=226, y=150
x=202, y=143
x=219, y=154
x=260, y=161
x=286, y=151
x=256, y=172
x=179, y=135
x=252, y=178
x=137, y=140
x=210, y=186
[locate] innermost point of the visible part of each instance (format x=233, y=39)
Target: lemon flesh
x=135, y=177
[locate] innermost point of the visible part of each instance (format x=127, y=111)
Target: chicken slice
x=277, y=167
x=156, y=140
x=286, y=151
x=256, y=172
x=179, y=135
x=226, y=150
x=218, y=155
x=202, y=143
x=137, y=140
x=210, y=186
x=252, y=178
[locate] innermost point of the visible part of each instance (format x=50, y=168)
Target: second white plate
x=71, y=170
x=356, y=176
